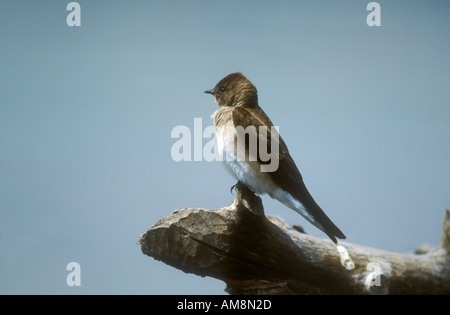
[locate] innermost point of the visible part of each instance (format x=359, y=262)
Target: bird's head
x=235, y=90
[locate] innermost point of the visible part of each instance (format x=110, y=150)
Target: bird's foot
x=236, y=186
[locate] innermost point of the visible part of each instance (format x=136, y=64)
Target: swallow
x=254, y=153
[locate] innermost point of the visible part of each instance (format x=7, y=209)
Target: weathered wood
x=255, y=254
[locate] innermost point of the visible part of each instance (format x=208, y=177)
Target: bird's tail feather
x=311, y=211
x=321, y=220
x=303, y=203
x=324, y=223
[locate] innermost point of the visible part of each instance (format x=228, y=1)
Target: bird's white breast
x=247, y=172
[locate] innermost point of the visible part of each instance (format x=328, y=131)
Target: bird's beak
x=209, y=92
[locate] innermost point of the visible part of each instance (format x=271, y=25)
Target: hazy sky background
x=86, y=115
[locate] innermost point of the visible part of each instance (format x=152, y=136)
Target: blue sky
x=86, y=115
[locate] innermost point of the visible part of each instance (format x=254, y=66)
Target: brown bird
x=264, y=165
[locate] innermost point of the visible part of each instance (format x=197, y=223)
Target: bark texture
x=255, y=254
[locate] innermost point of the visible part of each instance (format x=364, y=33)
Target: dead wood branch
x=255, y=254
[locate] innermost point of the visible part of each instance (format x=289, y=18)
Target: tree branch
x=255, y=254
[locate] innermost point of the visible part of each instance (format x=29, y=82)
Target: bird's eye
x=222, y=89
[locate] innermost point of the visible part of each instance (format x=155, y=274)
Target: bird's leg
x=236, y=186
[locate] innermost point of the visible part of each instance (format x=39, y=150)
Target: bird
x=237, y=98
